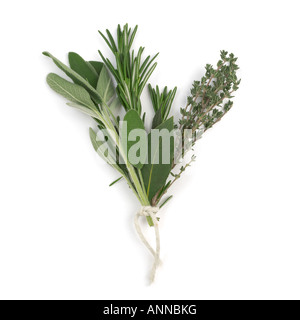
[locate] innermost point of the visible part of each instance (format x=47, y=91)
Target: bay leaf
x=133, y=121
x=155, y=172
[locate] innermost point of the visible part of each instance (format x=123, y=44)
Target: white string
x=145, y=212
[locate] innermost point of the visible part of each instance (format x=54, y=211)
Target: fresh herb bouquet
x=149, y=162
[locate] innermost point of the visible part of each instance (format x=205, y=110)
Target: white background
x=232, y=229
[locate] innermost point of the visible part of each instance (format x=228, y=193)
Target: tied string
x=146, y=211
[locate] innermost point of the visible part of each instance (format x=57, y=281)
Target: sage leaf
x=155, y=172
x=73, y=92
x=83, y=109
x=105, y=86
x=114, y=103
x=97, y=65
x=75, y=77
x=79, y=65
x=133, y=121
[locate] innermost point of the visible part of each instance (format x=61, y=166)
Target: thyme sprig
x=210, y=98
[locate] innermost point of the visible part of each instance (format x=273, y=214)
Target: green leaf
x=73, y=92
x=75, y=77
x=155, y=172
x=115, y=181
x=100, y=148
x=114, y=103
x=157, y=119
x=79, y=65
x=165, y=201
x=83, y=109
x=97, y=65
x=105, y=86
x=133, y=121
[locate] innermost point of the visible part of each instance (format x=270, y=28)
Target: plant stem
x=135, y=180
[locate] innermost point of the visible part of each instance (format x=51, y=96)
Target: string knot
x=148, y=211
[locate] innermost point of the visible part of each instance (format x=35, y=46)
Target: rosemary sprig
x=161, y=102
x=130, y=73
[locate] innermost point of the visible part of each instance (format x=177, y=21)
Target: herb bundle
x=147, y=161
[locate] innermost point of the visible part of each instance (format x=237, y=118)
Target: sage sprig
x=147, y=161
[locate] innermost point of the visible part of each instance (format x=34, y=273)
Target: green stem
x=142, y=181
x=139, y=189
